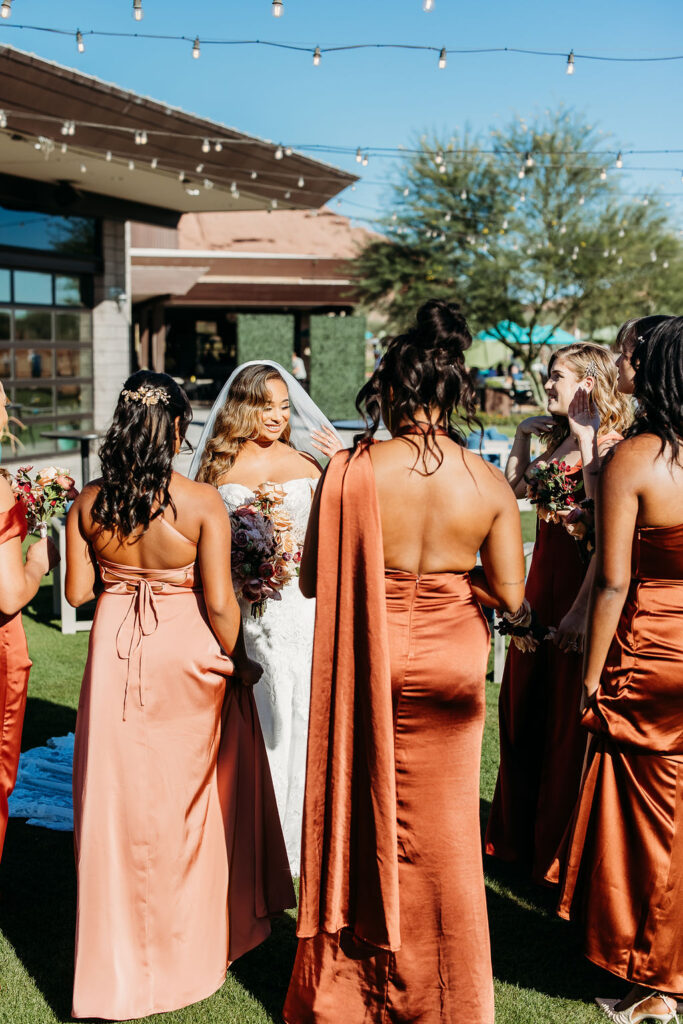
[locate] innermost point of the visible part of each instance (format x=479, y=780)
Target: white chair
x=498, y=640
x=60, y=606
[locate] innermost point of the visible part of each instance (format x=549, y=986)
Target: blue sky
x=388, y=98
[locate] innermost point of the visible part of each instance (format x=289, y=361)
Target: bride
x=261, y=430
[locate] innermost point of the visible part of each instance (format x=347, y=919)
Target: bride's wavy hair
x=137, y=452
x=238, y=421
x=422, y=370
x=658, y=386
x=614, y=409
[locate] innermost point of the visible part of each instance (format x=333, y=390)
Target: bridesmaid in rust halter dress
x=19, y=583
x=624, y=877
x=542, y=745
x=179, y=852
x=392, y=919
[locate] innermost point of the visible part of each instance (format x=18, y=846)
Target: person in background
x=19, y=583
x=299, y=368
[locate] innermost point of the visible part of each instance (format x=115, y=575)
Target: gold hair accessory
x=147, y=394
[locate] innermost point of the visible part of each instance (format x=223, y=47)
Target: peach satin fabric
x=179, y=852
x=624, y=876
x=391, y=821
x=15, y=665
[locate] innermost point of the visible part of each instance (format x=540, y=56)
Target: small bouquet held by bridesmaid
x=549, y=489
x=265, y=556
x=523, y=628
x=45, y=497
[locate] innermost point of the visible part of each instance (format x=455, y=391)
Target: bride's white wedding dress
x=281, y=640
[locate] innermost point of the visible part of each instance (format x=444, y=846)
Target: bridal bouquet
x=45, y=497
x=265, y=556
x=550, y=490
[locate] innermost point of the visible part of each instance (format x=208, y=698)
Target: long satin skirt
x=15, y=665
x=439, y=645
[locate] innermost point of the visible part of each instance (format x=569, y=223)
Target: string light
x=84, y=169
x=6, y=8
x=427, y=5
x=206, y=146
x=278, y=7
x=442, y=58
x=154, y=163
x=528, y=159
x=521, y=173
x=603, y=174
x=131, y=165
x=208, y=184
x=199, y=168
x=316, y=57
x=273, y=203
x=300, y=183
x=463, y=194
x=570, y=63
x=365, y=161
x=279, y=153
x=359, y=157
x=218, y=147
x=619, y=162
x=107, y=156
x=288, y=150
x=79, y=41
x=288, y=195
x=64, y=148
x=141, y=138
x=3, y=124
x=195, y=48
x=253, y=175
x=137, y=10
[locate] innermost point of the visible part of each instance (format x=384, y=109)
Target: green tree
x=534, y=228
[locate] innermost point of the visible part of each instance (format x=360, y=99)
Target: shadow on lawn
x=45, y=719
x=266, y=970
x=37, y=908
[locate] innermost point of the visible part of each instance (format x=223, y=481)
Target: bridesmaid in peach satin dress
x=19, y=583
x=179, y=852
x=624, y=877
x=392, y=918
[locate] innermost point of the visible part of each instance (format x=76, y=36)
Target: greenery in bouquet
x=44, y=497
x=265, y=556
x=551, y=490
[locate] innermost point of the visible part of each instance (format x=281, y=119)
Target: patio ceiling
x=38, y=96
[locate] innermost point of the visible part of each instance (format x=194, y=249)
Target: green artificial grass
x=540, y=975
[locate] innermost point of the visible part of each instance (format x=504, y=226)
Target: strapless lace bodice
x=297, y=503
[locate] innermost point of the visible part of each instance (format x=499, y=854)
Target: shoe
x=626, y=1016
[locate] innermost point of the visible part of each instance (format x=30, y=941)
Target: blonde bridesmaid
x=179, y=852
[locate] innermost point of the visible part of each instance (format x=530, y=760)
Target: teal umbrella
x=540, y=335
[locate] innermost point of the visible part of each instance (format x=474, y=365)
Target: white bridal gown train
x=281, y=640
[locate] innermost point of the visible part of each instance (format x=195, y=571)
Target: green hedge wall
x=265, y=336
x=337, y=364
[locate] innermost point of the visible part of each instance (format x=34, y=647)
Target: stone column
x=111, y=322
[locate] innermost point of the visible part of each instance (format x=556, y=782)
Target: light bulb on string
x=84, y=169
x=64, y=148
x=603, y=174
x=131, y=165
x=79, y=42
x=581, y=200
x=154, y=163
x=665, y=265
x=463, y=194
x=504, y=225
x=570, y=63
x=522, y=197
x=279, y=153
x=619, y=162
x=277, y=8
x=273, y=203
x=196, y=48
x=317, y=56
x=621, y=232
x=442, y=58
x=138, y=13
x=521, y=173
x=359, y=156
x=300, y=183
x=218, y=147
x=253, y=175
x=3, y=119
x=6, y=8
x=208, y=184
x=428, y=5
x=406, y=191
x=653, y=256
x=288, y=150
x=199, y=168
x=107, y=156
x=365, y=161
x=528, y=159
x=206, y=146
x=236, y=194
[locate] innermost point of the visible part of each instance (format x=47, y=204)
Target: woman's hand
x=248, y=672
x=326, y=441
x=570, y=634
x=43, y=555
x=535, y=425
x=584, y=418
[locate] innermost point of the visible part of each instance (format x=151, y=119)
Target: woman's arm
x=499, y=583
x=309, y=559
x=520, y=453
x=616, y=515
x=81, y=570
x=19, y=581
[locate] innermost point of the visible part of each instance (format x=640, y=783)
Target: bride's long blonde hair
x=238, y=421
x=615, y=409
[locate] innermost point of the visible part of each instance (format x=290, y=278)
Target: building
x=80, y=160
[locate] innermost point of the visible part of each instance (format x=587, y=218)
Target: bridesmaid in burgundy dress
x=542, y=744
x=624, y=876
x=19, y=583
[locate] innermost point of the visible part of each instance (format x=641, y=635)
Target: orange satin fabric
x=15, y=665
x=179, y=852
x=624, y=875
x=436, y=652
x=542, y=744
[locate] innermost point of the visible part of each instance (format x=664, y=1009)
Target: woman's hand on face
x=536, y=425
x=326, y=441
x=584, y=418
x=571, y=632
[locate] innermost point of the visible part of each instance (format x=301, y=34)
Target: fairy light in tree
x=621, y=232
x=406, y=191
x=79, y=41
x=195, y=48
x=653, y=256
x=442, y=58
x=463, y=194
x=6, y=8
x=317, y=57
x=521, y=173
x=665, y=265
x=528, y=159
x=522, y=197
x=619, y=162
x=206, y=146
x=570, y=63
x=138, y=13
x=277, y=7
x=582, y=200
x=603, y=174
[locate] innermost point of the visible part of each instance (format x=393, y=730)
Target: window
x=46, y=356
x=66, y=236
